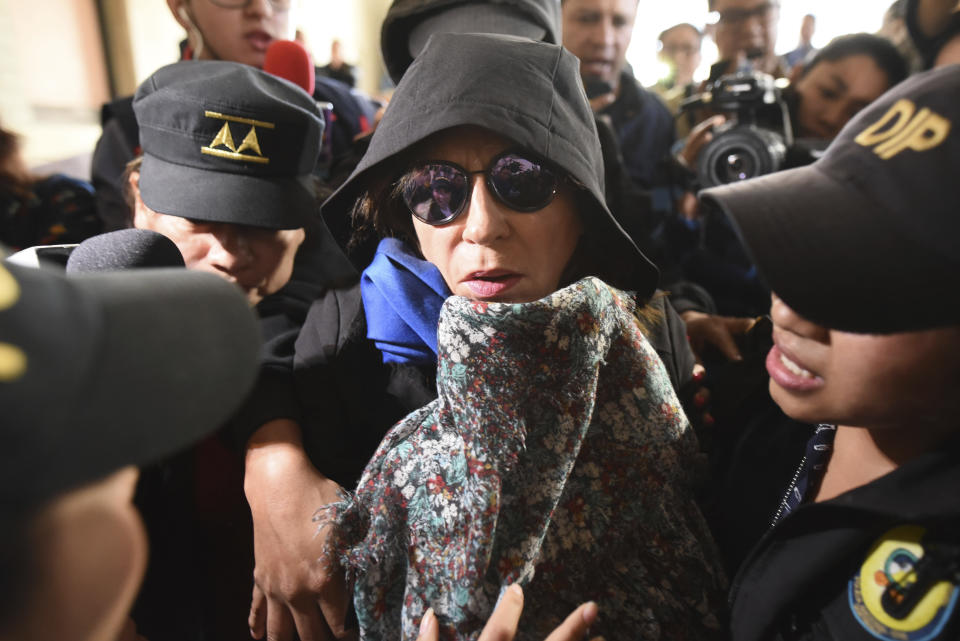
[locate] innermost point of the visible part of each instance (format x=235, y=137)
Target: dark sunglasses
x=437, y=191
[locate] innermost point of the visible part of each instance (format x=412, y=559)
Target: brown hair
x=13, y=178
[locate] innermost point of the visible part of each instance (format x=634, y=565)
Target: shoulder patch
x=895, y=596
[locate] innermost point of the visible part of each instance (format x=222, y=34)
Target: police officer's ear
x=140, y=216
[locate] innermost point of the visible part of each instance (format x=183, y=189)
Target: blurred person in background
x=805, y=47
x=37, y=210
x=338, y=68
x=232, y=30
x=598, y=32
x=894, y=28
x=746, y=36
x=680, y=51
x=934, y=27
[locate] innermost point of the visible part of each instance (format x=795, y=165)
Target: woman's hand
x=502, y=625
x=293, y=587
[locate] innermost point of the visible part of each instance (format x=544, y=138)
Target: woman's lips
x=259, y=40
x=790, y=374
x=490, y=284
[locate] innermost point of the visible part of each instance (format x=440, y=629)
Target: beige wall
x=59, y=51
x=53, y=74
x=53, y=77
x=155, y=38
x=356, y=23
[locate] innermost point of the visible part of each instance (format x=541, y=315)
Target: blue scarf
x=402, y=295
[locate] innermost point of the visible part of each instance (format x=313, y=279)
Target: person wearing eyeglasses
x=237, y=30
x=680, y=50
x=229, y=30
x=598, y=32
x=513, y=324
x=746, y=34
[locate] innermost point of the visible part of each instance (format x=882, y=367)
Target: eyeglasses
x=438, y=191
x=278, y=5
x=739, y=16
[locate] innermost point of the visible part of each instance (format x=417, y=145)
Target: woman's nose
x=486, y=217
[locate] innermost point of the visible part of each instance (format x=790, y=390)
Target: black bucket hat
x=867, y=239
x=409, y=24
x=527, y=91
x=100, y=371
x=226, y=142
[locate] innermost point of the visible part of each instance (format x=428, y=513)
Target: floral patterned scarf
x=556, y=456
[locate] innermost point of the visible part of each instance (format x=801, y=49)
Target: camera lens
x=737, y=166
x=739, y=153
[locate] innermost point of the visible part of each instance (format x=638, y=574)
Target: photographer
x=746, y=35
x=764, y=129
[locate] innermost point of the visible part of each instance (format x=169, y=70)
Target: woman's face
x=237, y=35
x=491, y=252
x=821, y=375
x=832, y=93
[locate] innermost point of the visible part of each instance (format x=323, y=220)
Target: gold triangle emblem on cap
x=250, y=142
x=224, y=138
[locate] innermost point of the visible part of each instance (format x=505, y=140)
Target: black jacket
x=644, y=128
x=830, y=570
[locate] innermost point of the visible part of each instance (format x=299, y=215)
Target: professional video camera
x=757, y=137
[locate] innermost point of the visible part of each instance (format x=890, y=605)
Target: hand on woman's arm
x=717, y=332
x=293, y=588
x=502, y=625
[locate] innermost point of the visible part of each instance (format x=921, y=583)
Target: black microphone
x=124, y=249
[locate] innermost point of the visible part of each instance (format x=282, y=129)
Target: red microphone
x=290, y=61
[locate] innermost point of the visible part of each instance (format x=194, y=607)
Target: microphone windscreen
x=290, y=61
x=124, y=249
